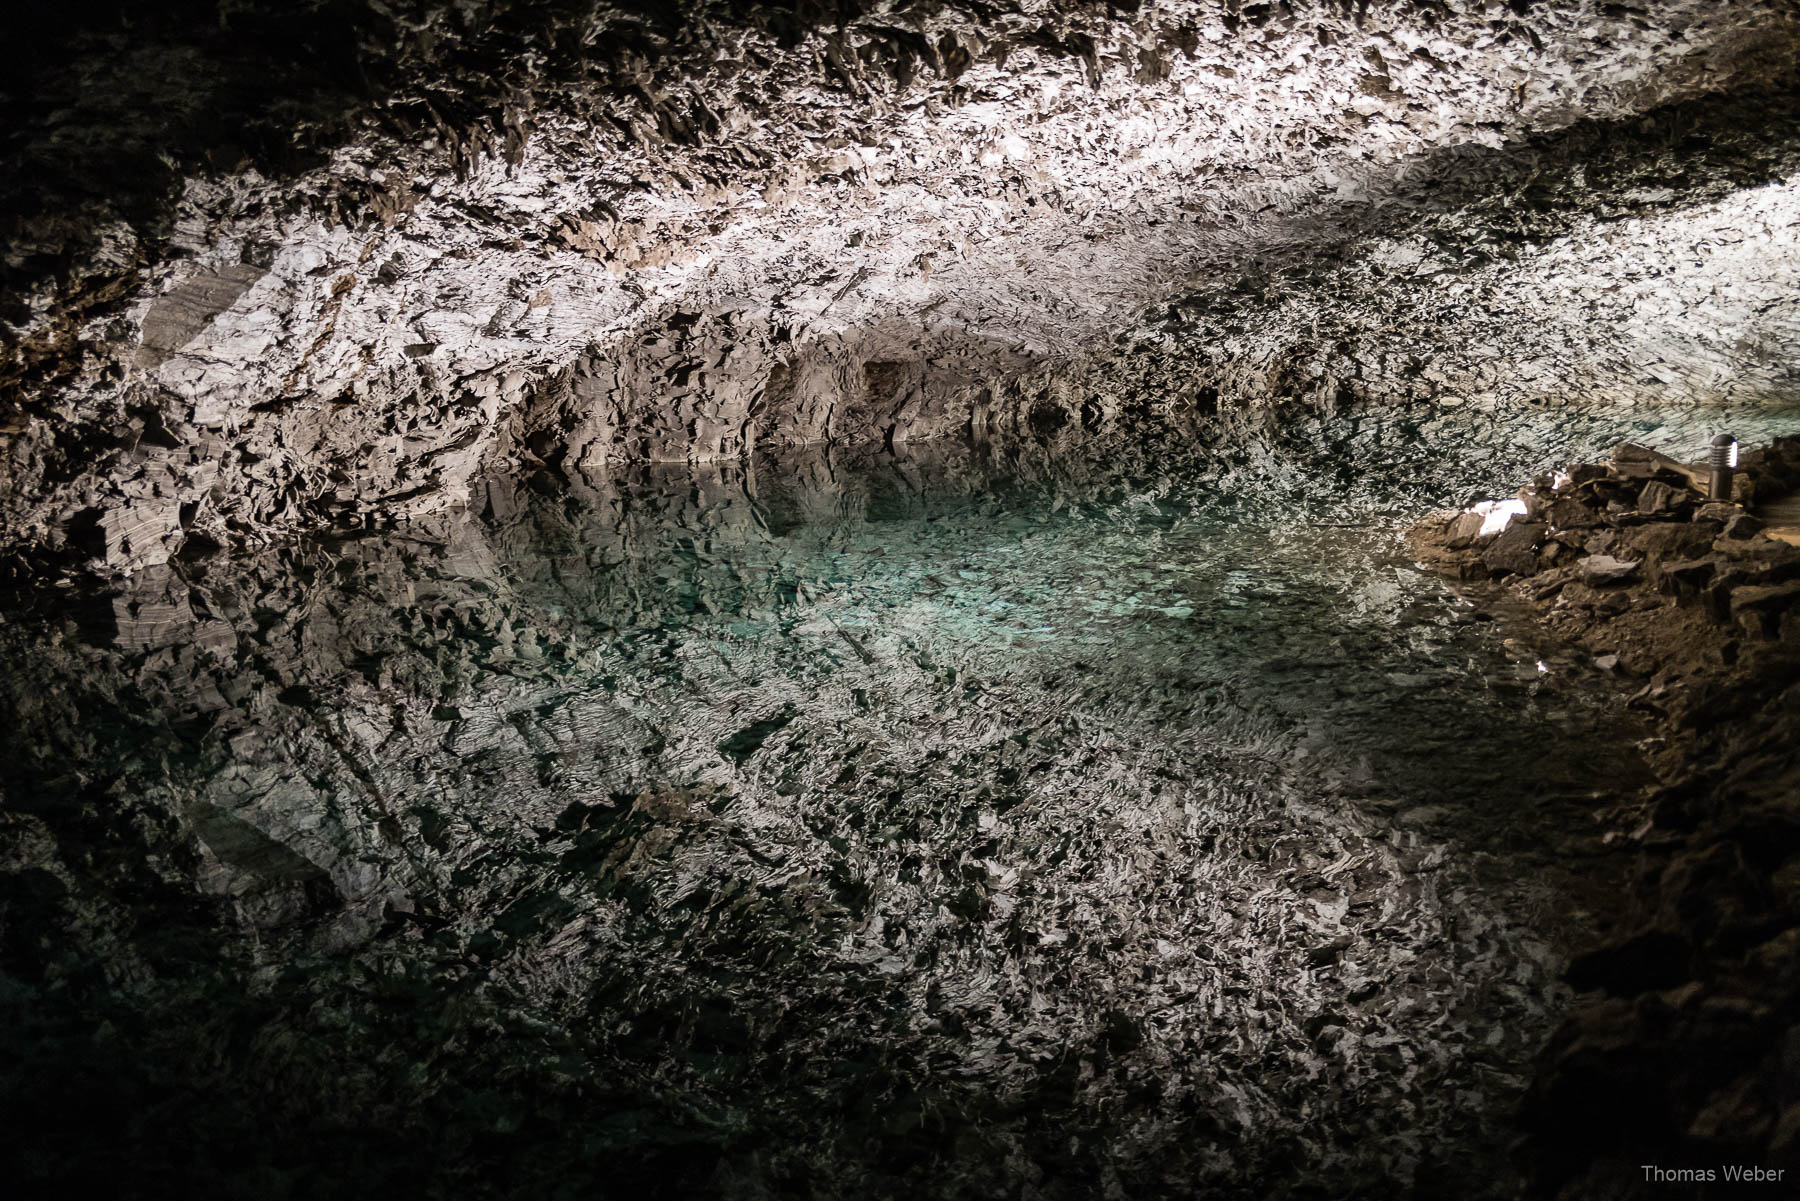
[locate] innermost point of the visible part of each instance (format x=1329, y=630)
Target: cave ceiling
x=271, y=267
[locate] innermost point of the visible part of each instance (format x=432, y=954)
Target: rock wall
x=462, y=241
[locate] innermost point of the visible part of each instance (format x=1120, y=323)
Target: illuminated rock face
x=587, y=239
x=270, y=268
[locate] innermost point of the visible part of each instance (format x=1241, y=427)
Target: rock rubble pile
x=1682, y=1050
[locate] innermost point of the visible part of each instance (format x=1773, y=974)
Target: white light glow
x=1497, y=514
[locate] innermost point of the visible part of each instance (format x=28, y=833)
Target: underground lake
x=1130, y=817
x=900, y=600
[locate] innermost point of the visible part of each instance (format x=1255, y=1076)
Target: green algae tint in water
x=1137, y=821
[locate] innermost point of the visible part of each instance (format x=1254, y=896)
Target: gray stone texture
x=651, y=241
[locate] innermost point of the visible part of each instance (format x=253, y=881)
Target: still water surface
x=1128, y=820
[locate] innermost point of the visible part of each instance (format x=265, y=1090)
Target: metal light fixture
x=1723, y=462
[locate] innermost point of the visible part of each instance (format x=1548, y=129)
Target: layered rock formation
x=275, y=269
x=409, y=810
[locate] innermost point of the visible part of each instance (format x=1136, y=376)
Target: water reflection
x=1028, y=821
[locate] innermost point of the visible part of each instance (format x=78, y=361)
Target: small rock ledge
x=1683, y=1050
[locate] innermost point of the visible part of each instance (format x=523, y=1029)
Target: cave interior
x=1031, y=599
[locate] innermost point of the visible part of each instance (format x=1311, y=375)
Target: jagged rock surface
x=590, y=235
x=948, y=825
x=344, y=267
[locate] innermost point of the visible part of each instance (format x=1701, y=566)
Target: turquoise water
x=1049, y=821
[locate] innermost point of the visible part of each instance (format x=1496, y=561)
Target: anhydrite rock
x=650, y=238
x=1675, y=1051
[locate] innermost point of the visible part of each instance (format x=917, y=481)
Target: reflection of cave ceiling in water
x=935, y=822
x=752, y=602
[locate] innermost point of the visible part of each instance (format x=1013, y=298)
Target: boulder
x=1667, y=540
x=1739, y=574
x=1601, y=542
x=1758, y=607
x=1743, y=525
x=1640, y=462
x=1536, y=500
x=1658, y=498
x=1761, y=560
x=1463, y=531
x=1568, y=513
x=1514, y=552
x=1601, y=570
x=1773, y=472
x=1683, y=578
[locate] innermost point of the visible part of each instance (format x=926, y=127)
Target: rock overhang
x=693, y=234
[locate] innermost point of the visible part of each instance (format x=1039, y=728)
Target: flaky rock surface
x=333, y=266
x=654, y=734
